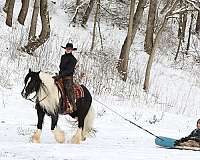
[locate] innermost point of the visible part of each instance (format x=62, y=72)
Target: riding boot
x=70, y=92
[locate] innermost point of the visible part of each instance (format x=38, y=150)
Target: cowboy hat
x=69, y=45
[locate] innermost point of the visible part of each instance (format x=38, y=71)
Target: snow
x=115, y=138
x=170, y=109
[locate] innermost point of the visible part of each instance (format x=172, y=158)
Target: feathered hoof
x=36, y=137
x=76, y=140
x=59, y=136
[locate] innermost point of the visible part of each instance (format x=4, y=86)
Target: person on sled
x=193, y=140
x=67, y=67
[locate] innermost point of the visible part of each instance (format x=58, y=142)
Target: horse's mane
x=49, y=90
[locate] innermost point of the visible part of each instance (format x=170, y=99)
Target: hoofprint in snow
x=114, y=139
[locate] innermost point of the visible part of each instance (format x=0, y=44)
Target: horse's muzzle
x=24, y=95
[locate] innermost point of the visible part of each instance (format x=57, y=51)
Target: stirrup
x=72, y=108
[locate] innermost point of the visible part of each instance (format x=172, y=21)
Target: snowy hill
x=171, y=107
x=114, y=139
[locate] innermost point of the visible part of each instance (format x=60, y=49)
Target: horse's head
x=32, y=84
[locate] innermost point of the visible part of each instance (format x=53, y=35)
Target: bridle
x=35, y=99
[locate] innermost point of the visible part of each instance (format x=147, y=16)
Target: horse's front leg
x=58, y=134
x=37, y=133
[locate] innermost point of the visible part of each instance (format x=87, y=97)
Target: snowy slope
x=114, y=139
x=172, y=114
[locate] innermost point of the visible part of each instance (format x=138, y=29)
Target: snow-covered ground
x=170, y=109
x=115, y=138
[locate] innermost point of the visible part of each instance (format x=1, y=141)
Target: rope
x=128, y=120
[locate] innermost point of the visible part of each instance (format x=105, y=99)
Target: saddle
x=78, y=92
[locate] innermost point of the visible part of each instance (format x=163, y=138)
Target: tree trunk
x=23, y=11
x=87, y=12
x=101, y=38
x=150, y=26
x=180, y=25
x=197, y=29
x=5, y=8
x=190, y=32
x=44, y=14
x=124, y=56
x=156, y=41
x=9, y=9
x=45, y=32
x=123, y=59
x=77, y=3
x=76, y=12
x=178, y=49
x=181, y=31
x=95, y=22
x=184, y=24
x=32, y=32
x=167, y=5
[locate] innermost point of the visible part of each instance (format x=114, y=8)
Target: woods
x=151, y=18
x=33, y=42
x=139, y=61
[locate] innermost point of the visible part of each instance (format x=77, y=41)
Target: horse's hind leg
x=82, y=111
x=88, y=123
x=58, y=134
x=37, y=133
x=76, y=139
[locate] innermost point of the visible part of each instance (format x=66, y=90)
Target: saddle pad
x=78, y=91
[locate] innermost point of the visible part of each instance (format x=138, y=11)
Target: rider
x=67, y=66
x=193, y=140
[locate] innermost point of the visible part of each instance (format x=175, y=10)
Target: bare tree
x=45, y=32
x=5, y=8
x=23, y=11
x=156, y=41
x=33, y=43
x=32, y=31
x=77, y=2
x=95, y=22
x=76, y=11
x=197, y=29
x=133, y=26
x=150, y=26
x=167, y=5
x=8, y=8
x=181, y=29
x=87, y=12
x=124, y=56
x=190, y=32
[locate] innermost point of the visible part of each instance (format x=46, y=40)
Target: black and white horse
x=48, y=100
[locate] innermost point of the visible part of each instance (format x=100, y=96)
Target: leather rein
x=35, y=100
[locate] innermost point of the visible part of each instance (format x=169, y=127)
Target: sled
x=169, y=143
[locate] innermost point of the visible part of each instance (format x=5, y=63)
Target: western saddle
x=65, y=107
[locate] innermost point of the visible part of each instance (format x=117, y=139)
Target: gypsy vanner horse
x=48, y=100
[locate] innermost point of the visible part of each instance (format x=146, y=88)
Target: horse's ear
x=29, y=70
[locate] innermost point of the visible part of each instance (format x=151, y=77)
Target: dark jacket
x=67, y=65
x=195, y=133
